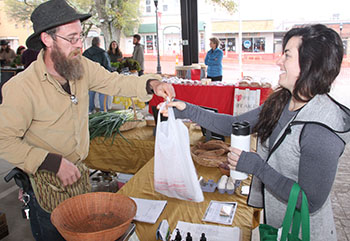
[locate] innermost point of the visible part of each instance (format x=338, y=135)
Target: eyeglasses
x=72, y=40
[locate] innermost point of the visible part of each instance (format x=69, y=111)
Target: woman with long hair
x=301, y=130
x=115, y=55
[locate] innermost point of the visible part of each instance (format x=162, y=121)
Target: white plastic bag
x=174, y=172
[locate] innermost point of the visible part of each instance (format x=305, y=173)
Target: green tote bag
x=300, y=218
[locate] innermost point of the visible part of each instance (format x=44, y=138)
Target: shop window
x=149, y=42
x=259, y=44
x=231, y=44
x=247, y=44
x=256, y=45
x=148, y=6
x=222, y=44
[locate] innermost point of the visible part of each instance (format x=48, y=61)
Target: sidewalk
x=340, y=197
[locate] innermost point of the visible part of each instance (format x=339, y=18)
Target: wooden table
x=142, y=186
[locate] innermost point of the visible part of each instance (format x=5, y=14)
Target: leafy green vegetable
x=107, y=124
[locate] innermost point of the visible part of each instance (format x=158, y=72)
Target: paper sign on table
x=148, y=211
x=212, y=214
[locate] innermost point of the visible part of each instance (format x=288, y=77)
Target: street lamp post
x=159, y=71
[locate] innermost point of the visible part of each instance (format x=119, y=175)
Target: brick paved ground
x=341, y=197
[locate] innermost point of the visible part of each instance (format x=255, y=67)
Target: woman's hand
x=233, y=156
x=178, y=104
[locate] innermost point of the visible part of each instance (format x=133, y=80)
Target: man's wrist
x=51, y=163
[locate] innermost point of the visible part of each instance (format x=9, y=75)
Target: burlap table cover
x=128, y=156
x=141, y=186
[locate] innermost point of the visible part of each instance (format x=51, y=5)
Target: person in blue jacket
x=214, y=60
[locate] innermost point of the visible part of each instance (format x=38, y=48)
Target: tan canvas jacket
x=37, y=116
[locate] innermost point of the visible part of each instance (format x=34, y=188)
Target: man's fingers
x=68, y=173
x=78, y=174
x=64, y=182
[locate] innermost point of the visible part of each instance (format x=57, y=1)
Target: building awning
x=151, y=27
x=147, y=28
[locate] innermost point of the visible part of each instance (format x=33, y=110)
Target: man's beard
x=68, y=67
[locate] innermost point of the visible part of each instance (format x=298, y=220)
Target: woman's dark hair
x=19, y=49
x=320, y=56
x=117, y=50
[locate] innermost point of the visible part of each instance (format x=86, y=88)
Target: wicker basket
x=131, y=124
x=94, y=216
x=207, y=162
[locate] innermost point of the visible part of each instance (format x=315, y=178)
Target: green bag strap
x=305, y=217
x=292, y=202
x=297, y=216
x=296, y=223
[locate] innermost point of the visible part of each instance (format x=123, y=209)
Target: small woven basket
x=131, y=124
x=97, y=216
x=207, y=162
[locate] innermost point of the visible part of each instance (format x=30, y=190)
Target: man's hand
x=68, y=173
x=162, y=89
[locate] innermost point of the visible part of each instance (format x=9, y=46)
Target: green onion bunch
x=107, y=124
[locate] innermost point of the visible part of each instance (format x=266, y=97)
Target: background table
x=142, y=186
x=130, y=155
x=126, y=156
x=218, y=97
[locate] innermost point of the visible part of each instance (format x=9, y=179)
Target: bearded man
x=44, y=113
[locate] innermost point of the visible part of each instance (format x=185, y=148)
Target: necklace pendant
x=74, y=99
